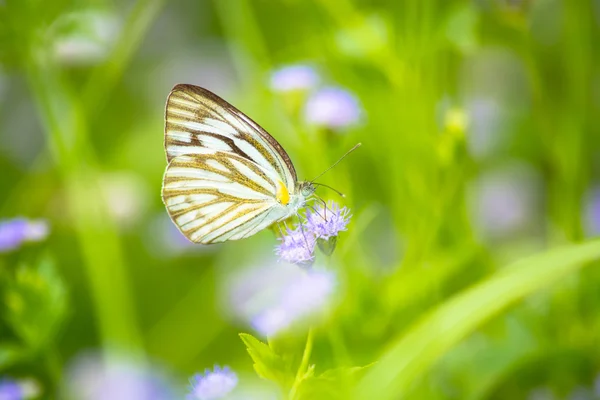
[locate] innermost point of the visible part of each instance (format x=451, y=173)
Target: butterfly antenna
x=356, y=146
x=329, y=187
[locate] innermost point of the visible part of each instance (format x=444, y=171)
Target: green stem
x=338, y=345
x=303, y=364
x=53, y=365
x=106, y=76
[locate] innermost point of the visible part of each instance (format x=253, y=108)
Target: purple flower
x=505, y=201
x=297, y=300
x=91, y=377
x=592, y=212
x=293, y=78
x=212, y=384
x=486, y=134
x=541, y=393
x=297, y=247
x=581, y=393
x=332, y=107
x=10, y=390
x=15, y=232
x=326, y=222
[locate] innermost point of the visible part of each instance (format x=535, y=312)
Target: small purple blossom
x=13, y=233
x=486, y=127
x=298, y=300
x=327, y=222
x=504, y=201
x=92, y=377
x=592, y=212
x=212, y=384
x=294, y=78
x=297, y=247
x=333, y=107
x=321, y=226
x=10, y=390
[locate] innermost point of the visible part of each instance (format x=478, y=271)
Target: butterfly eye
x=307, y=189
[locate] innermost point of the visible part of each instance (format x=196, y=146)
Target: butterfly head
x=306, y=188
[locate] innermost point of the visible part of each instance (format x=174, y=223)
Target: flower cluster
x=297, y=301
x=297, y=247
x=327, y=222
x=333, y=108
x=329, y=107
x=15, y=232
x=91, y=376
x=320, y=226
x=10, y=390
x=212, y=385
x=294, y=78
x=591, y=216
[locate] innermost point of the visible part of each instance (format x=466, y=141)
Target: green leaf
x=332, y=384
x=327, y=246
x=287, y=347
x=268, y=364
x=478, y=365
x=461, y=29
x=35, y=304
x=413, y=353
x=10, y=354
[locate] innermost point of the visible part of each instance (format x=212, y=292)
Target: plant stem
x=303, y=364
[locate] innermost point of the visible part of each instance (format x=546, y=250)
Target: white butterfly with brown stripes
x=227, y=178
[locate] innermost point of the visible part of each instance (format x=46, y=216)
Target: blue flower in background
x=505, y=201
x=212, y=384
x=592, y=212
x=294, y=78
x=92, y=377
x=298, y=300
x=13, y=233
x=297, y=247
x=333, y=107
x=325, y=222
x=541, y=393
x=10, y=390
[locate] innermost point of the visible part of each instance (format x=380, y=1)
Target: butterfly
x=227, y=178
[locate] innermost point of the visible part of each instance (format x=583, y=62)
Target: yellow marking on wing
x=283, y=196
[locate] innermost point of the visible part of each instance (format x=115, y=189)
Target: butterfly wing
x=224, y=170
x=197, y=118
x=217, y=196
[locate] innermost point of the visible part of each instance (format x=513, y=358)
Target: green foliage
x=278, y=362
x=416, y=350
x=332, y=384
x=271, y=364
x=10, y=354
x=35, y=305
x=480, y=150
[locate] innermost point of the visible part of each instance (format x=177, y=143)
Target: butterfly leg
x=319, y=198
x=303, y=232
x=280, y=231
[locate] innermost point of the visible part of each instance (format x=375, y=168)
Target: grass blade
x=416, y=351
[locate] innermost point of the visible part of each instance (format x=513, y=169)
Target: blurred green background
x=481, y=147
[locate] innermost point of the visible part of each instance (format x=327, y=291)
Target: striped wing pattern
x=197, y=118
x=224, y=170
x=211, y=199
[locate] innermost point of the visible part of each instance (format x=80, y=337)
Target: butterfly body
x=227, y=178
